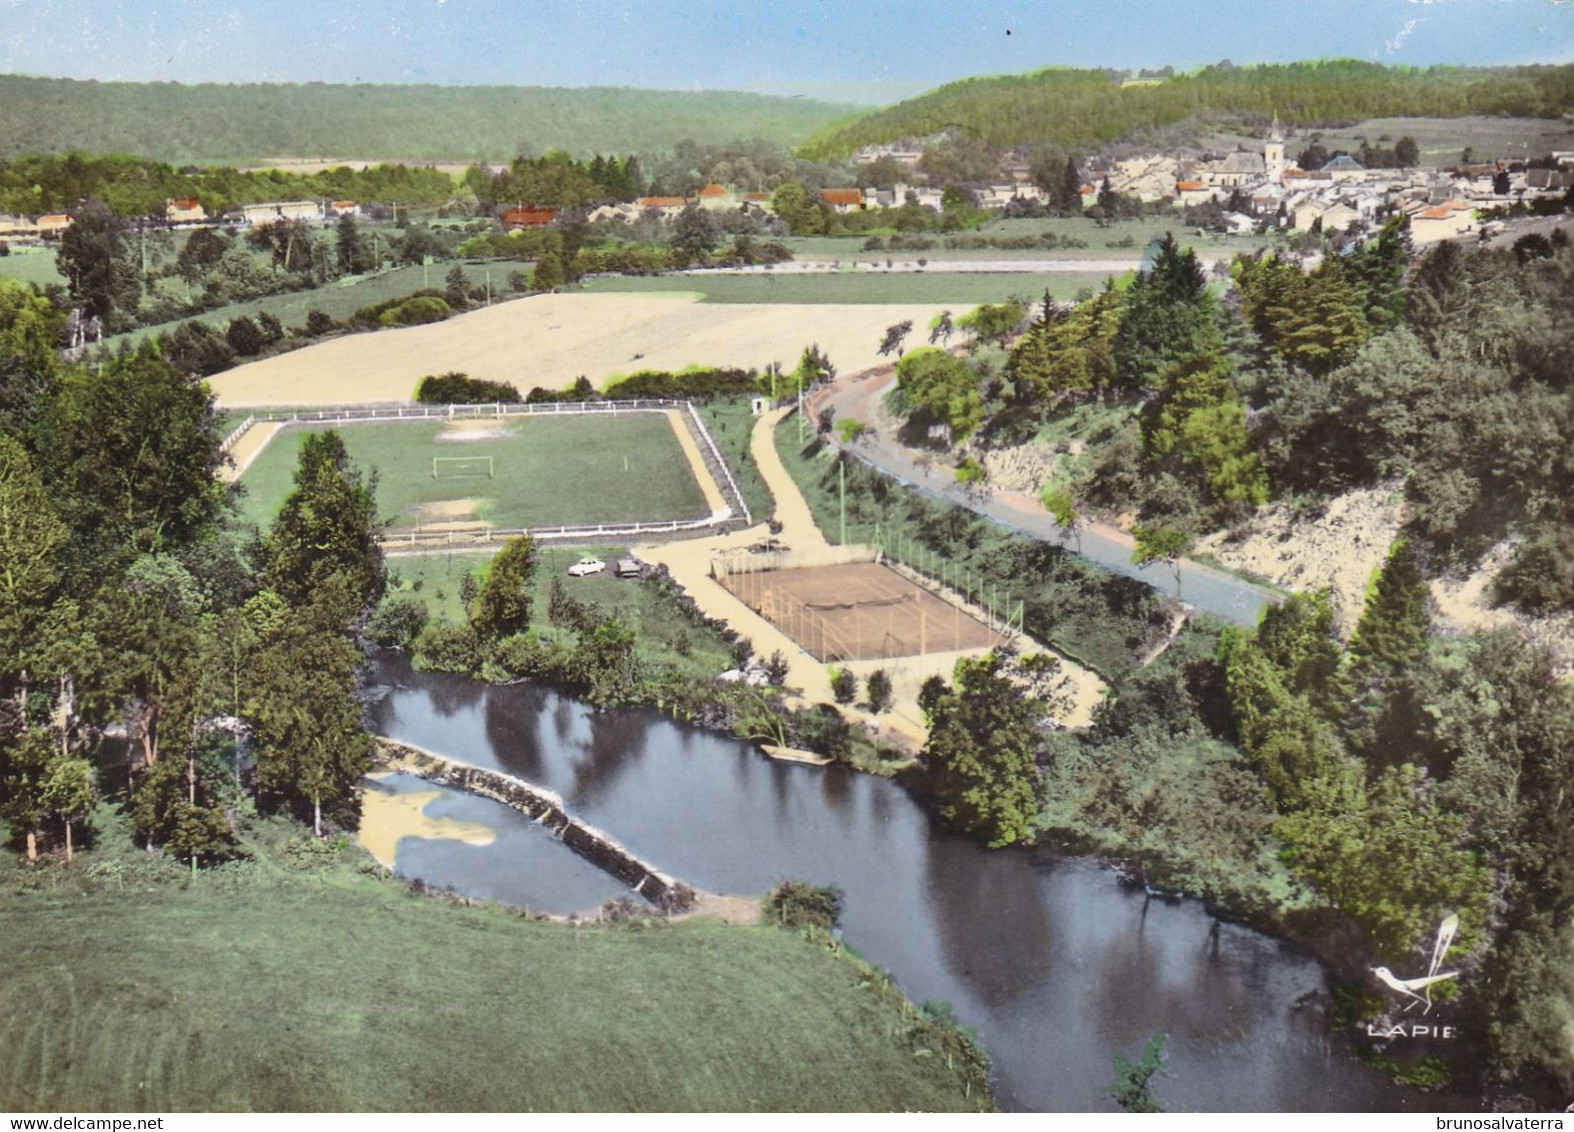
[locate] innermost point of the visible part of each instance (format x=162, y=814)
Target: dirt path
x=248, y=448
x=691, y=451
x=792, y=512
x=690, y=564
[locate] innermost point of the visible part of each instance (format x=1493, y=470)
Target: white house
x=1442, y=222
x=273, y=211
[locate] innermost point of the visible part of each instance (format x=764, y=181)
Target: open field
x=859, y=611
x=341, y=299
x=1121, y=238
x=548, y=470
x=551, y=340
x=322, y=989
x=31, y=265
x=940, y=289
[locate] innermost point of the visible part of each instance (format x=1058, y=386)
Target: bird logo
x=1409, y=987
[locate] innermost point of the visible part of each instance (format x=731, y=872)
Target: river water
x=1052, y=961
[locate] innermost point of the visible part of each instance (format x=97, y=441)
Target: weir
x=542, y=806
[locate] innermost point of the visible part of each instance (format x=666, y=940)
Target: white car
x=586, y=566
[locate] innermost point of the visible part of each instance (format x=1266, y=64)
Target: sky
x=840, y=50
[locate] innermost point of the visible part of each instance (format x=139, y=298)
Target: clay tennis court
x=861, y=611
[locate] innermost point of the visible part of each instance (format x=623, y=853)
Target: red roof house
x=528, y=217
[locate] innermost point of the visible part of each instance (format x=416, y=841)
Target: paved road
x=1202, y=587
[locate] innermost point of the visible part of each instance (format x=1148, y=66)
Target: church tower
x=1273, y=153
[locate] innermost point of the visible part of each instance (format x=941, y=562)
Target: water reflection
x=1051, y=960
x=995, y=932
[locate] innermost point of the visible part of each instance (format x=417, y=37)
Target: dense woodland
x=1356, y=792
x=132, y=599
x=211, y=123
x=1087, y=108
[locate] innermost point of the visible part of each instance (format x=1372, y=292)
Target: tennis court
x=858, y=611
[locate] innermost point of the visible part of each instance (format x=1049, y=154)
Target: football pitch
x=533, y=471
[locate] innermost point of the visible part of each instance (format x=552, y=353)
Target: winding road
x=860, y=397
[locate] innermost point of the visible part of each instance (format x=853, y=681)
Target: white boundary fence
x=236, y=433
x=482, y=534
x=373, y=412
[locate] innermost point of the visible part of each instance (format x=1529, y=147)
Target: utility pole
x=800, y=406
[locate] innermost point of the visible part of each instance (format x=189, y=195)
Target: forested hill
x=1085, y=108
x=223, y=123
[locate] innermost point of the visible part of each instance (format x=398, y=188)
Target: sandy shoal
x=550, y=340
x=388, y=818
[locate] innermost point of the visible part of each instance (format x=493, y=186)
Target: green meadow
x=303, y=979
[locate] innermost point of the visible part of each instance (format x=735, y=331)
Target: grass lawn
x=31, y=265
x=857, y=287
x=663, y=631
x=731, y=424
x=342, y=298
x=301, y=981
x=548, y=470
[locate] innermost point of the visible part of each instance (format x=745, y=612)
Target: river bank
x=1055, y=962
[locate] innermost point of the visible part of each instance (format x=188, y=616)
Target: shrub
x=416, y=311
x=244, y=337
x=524, y=654
x=799, y=904
x=776, y=668
x=270, y=326
x=319, y=323
x=448, y=648
x=397, y=620
x=462, y=389
x=695, y=384
x=844, y=686
x=195, y=347
x=877, y=690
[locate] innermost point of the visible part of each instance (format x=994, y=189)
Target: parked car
x=586, y=566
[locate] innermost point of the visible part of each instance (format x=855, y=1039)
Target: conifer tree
x=1391, y=634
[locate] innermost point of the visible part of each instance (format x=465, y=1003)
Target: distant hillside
x=1087, y=108
x=209, y=122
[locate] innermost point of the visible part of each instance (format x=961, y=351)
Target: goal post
x=461, y=467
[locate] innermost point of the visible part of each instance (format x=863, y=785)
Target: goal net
x=461, y=467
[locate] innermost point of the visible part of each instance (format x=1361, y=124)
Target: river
x=1052, y=960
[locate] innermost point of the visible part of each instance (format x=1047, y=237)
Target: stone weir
x=544, y=807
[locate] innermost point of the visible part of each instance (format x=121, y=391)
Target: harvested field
x=860, y=611
x=551, y=340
